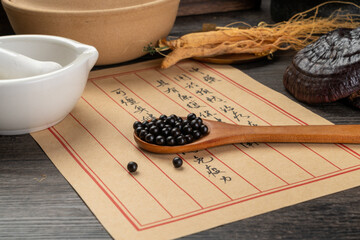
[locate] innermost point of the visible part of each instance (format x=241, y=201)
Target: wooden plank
x=195, y=7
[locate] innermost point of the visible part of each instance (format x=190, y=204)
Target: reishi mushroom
x=327, y=70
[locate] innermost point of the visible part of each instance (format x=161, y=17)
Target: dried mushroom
x=328, y=69
x=354, y=99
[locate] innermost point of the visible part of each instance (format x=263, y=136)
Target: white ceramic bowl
x=35, y=103
x=119, y=29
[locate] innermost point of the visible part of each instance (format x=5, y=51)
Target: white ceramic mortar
x=34, y=103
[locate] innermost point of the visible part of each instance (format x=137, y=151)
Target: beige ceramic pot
x=119, y=29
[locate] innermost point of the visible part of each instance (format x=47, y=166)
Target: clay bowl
x=119, y=30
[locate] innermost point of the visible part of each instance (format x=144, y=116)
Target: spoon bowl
x=221, y=133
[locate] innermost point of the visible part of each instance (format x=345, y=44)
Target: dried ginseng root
x=264, y=39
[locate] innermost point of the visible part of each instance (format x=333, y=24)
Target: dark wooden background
x=36, y=202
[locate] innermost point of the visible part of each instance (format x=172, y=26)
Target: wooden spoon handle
x=309, y=134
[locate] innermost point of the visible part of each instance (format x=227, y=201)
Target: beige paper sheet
x=92, y=146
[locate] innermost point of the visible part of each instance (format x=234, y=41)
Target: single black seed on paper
x=177, y=162
x=132, y=166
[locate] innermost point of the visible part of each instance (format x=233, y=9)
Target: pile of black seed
x=171, y=130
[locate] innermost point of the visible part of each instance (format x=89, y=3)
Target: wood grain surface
x=36, y=202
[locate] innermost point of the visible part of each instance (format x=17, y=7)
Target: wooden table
x=36, y=202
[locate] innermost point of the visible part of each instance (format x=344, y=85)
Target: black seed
x=187, y=129
x=165, y=131
x=145, y=123
x=180, y=140
x=171, y=130
x=142, y=134
x=194, y=124
x=178, y=125
x=180, y=120
x=173, y=116
x=149, y=138
x=170, y=141
x=154, y=130
x=177, y=162
x=175, y=132
x=191, y=116
x=160, y=140
x=170, y=121
x=163, y=117
x=189, y=138
x=137, y=130
x=132, y=166
x=204, y=129
x=196, y=134
x=137, y=124
x=159, y=123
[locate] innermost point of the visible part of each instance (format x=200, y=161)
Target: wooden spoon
x=224, y=133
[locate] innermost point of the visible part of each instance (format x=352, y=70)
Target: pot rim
x=11, y=5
